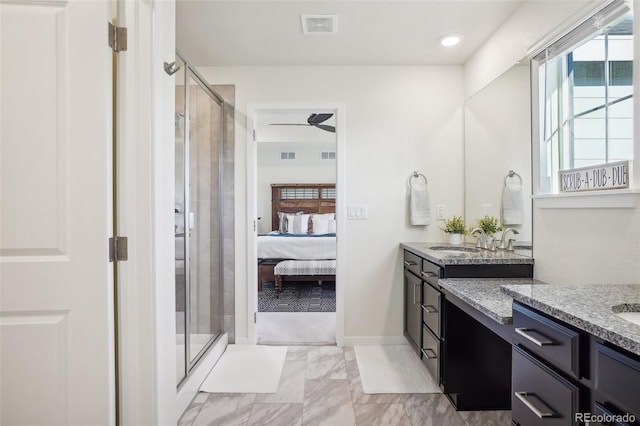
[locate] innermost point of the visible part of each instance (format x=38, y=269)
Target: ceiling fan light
x=449, y=40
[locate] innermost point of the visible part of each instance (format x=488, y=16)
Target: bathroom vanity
x=444, y=330
x=574, y=355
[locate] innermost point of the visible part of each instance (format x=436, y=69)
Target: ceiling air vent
x=319, y=24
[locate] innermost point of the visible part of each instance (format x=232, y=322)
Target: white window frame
x=617, y=198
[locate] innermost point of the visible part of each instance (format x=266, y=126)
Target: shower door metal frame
x=190, y=72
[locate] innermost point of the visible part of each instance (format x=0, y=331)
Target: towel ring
x=417, y=175
x=512, y=174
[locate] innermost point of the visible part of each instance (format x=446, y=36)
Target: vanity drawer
x=614, y=416
x=431, y=308
x=430, y=269
x=556, y=343
x=412, y=262
x=540, y=396
x=431, y=353
x=618, y=377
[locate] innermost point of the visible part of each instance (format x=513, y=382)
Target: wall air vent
x=328, y=155
x=287, y=155
x=319, y=24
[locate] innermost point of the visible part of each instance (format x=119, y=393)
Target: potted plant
x=490, y=225
x=456, y=229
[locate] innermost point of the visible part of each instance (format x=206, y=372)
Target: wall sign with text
x=603, y=176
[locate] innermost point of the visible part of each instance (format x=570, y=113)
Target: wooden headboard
x=301, y=197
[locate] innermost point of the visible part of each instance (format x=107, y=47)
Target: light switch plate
x=357, y=211
x=440, y=208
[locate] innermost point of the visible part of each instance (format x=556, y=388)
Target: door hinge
x=117, y=38
x=118, y=251
x=255, y=317
x=254, y=135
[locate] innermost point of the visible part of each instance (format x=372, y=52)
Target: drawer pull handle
x=523, y=333
x=430, y=309
x=432, y=355
x=428, y=274
x=414, y=292
x=522, y=396
x=409, y=263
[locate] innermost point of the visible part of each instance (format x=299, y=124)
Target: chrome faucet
x=481, y=239
x=504, y=243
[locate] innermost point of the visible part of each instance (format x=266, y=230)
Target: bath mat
x=246, y=369
x=392, y=369
x=298, y=297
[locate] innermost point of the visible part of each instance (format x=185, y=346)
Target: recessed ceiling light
x=449, y=40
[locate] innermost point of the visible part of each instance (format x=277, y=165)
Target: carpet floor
x=296, y=328
x=304, y=296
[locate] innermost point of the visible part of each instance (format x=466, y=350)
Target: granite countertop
x=482, y=257
x=485, y=294
x=588, y=308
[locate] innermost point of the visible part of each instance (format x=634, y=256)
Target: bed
x=303, y=200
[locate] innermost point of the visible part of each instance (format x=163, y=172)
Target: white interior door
x=56, y=282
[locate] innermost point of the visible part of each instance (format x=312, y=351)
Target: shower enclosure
x=198, y=213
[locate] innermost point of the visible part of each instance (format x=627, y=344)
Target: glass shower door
x=198, y=211
x=205, y=143
x=179, y=229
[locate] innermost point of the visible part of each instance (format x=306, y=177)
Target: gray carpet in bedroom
x=296, y=328
x=305, y=296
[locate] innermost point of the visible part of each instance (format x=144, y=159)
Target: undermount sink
x=454, y=249
x=630, y=313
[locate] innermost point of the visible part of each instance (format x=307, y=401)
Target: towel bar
x=417, y=175
x=512, y=174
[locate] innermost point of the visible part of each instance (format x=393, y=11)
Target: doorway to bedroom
x=296, y=238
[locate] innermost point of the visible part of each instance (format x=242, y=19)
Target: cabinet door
x=413, y=309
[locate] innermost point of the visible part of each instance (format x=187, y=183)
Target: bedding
x=297, y=246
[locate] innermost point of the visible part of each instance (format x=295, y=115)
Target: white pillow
x=325, y=216
x=320, y=226
x=332, y=226
x=297, y=224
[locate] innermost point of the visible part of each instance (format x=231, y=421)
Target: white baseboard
x=190, y=388
x=374, y=340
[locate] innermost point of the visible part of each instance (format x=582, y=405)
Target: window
x=585, y=86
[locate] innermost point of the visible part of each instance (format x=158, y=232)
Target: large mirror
x=498, y=154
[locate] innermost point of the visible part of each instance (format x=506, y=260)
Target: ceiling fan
x=314, y=120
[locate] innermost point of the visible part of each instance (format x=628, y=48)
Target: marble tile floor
x=320, y=385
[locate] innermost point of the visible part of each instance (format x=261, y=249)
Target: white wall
x=532, y=21
x=398, y=119
x=308, y=167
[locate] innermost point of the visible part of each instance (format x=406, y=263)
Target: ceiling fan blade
x=288, y=124
x=331, y=129
x=318, y=118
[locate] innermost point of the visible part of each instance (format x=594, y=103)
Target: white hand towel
x=420, y=206
x=512, y=203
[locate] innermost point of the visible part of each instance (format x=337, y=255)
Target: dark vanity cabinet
x=422, y=310
x=546, y=370
x=449, y=342
x=562, y=375
x=616, y=384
